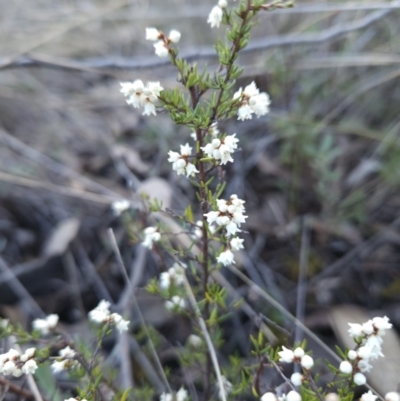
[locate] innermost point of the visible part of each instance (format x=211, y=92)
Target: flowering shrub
x=187, y=284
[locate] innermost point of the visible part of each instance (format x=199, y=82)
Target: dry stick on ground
x=141, y=318
x=332, y=33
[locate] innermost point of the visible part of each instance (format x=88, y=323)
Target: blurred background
x=320, y=174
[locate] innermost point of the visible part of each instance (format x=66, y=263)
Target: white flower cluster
x=174, y=275
x=12, y=363
x=252, y=102
x=162, y=45
x=139, y=95
x=230, y=216
x=150, y=235
x=181, y=395
x=45, y=326
x=369, y=338
x=297, y=356
x=102, y=315
x=65, y=362
x=181, y=163
x=290, y=396
x=221, y=149
x=215, y=16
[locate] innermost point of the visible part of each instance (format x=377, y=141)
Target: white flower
x=215, y=17
x=58, y=366
x=368, y=396
x=120, y=206
x=173, y=275
x=307, y=362
x=17, y=372
x=176, y=302
x=150, y=235
x=245, y=112
x=236, y=243
x=364, y=366
x=153, y=34
x=133, y=92
x=67, y=352
x=296, y=379
x=359, y=379
x=381, y=324
x=222, y=3
x=155, y=88
x=299, y=352
x=355, y=330
x=8, y=368
x=174, y=36
x=161, y=49
x=180, y=162
x=259, y=104
x=195, y=341
x=293, y=396
x=352, y=355
x=120, y=323
x=181, y=395
x=346, y=367
x=392, y=396
x=269, y=397
x=368, y=327
x=28, y=354
x=226, y=258
x=29, y=366
x=44, y=326
x=286, y=355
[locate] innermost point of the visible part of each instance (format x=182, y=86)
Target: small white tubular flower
x=296, y=379
x=352, y=355
x=28, y=354
x=133, y=92
x=29, y=366
x=44, y=326
x=121, y=324
x=155, y=88
x=174, y=36
x=392, y=396
x=222, y=4
x=307, y=362
x=150, y=235
x=226, y=258
x=153, y=34
x=180, y=162
x=59, y=366
x=359, y=379
x=174, y=275
x=8, y=368
x=299, y=352
x=67, y=352
x=364, y=365
x=195, y=341
x=236, y=243
x=368, y=396
x=368, y=327
x=346, y=367
x=181, y=395
x=293, y=396
x=17, y=372
x=286, y=355
x=355, y=330
x=215, y=17
x=332, y=397
x=381, y=324
x=269, y=397
x=176, y=302
x=101, y=315
x=252, y=102
x=161, y=49
x=120, y=206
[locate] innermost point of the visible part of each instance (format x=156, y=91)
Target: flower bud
x=359, y=379
x=269, y=397
x=174, y=36
x=307, y=362
x=296, y=379
x=346, y=367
